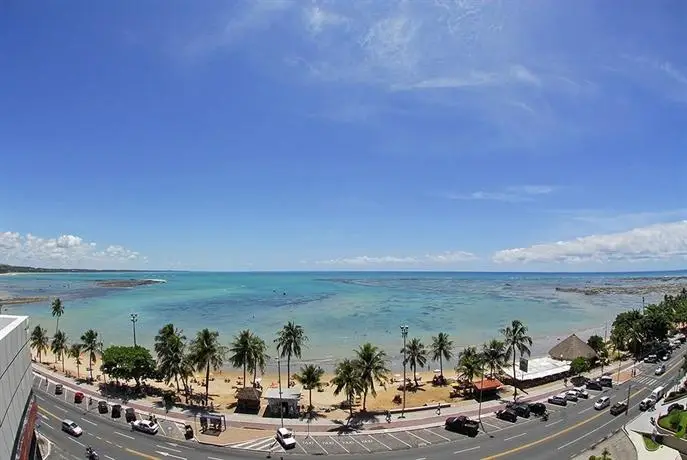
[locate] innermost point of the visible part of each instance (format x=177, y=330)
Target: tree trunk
x=57, y=326
x=255, y=375
x=244, y=375
x=515, y=388
x=90, y=367
x=350, y=405
x=176, y=380
x=415, y=374
x=365, y=400
x=207, y=382
x=441, y=366
x=310, y=394
x=288, y=370
x=63, y=362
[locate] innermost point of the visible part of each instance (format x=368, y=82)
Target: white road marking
x=40, y=397
x=399, y=440
x=168, y=448
x=74, y=440
x=107, y=456
x=437, y=434
x=122, y=434
x=553, y=423
x=363, y=445
x=165, y=454
x=60, y=408
x=88, y=421
x=466, y=450
x=379, y=442
x=215, y=458
x=421, y=458
x=585, y=410
x=513, y=437
x=586, y=434
x=493, y=426
x=320, y=446
x=418, y=437
x=339, y=444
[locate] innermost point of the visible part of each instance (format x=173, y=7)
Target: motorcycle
x=91, y=454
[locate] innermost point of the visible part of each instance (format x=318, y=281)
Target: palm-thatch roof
x=571, y=348
x=248, y=394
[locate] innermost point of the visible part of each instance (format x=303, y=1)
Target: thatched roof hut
x=571, y=348
x=248, y=399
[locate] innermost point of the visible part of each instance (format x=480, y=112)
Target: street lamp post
x=134, y=318
x=404, y=333
x=281, y=403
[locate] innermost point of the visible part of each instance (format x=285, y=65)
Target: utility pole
x=479, y=410
x=404, y=333
x=627, y=404
x=281, y=403
x=603, y=358
x=134, y=318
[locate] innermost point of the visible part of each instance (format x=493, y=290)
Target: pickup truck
x=462, y=424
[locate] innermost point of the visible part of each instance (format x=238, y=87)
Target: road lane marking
x=588, y=433
x=379, y=442
x=40, y=397
x=141, y=454
x=437, y=434
x=48, y=413
x=361, y=444
x=215, y=458
x=418, y=437
x=513, y=437
x=466, y=450
x=107, y=456
x=168, y=448
x=177, y=445
x=585, y=410
x=320, y=446
x=399, y=440
x=79, y=443
x=493, y=426
x=170, y=455
x=122, y=434
x=551, y=436
x=88, y=421
x=553, y=423
x=60, y=408
x=339, y=444
x=421, y=458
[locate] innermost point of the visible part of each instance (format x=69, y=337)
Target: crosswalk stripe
x=252, y=443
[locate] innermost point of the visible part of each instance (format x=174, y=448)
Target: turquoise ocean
x=339, y=310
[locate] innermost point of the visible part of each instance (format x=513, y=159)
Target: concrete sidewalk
x=413, y=420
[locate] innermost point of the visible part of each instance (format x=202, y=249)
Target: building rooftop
x=286, y=393
x=9, y=322
x=538, y=368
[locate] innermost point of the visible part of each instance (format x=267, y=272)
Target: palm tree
x=170, y=344
x=416, y=355
x=91, y=345
x=310, y=377
x=75, y=352
x=258, y=356
x=206, y=352
x=442, y=349
x=241, y=352
x=39, y=340
x=494, y=353
x=57, y=311
x=59, y=346
x=371, y=362
x=516, y=341
x=347, y=378
x=290, y=340
x=469, y=364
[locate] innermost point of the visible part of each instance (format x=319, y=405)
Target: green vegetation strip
x=650, y=444
x=676, y=422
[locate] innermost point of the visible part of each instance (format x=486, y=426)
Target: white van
x=657, y=394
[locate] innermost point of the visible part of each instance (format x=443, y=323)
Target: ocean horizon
x=339, y=310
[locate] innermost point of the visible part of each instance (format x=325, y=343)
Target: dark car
x=537, y=408
x=606, y=381
x=58, y=389
x=579, y=380
x=130, y=414
x=462, y=424
x=675, y=406
x=521, y=409
x=618, y=408
x=116, y=411
x=558, y=400
x=507, y=415
x=594, y=385
x=102, y=407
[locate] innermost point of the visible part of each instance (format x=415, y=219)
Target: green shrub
x=674, y=419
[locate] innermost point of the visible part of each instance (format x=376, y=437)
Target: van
x=646, y=404
x=657, y=394
x=606, y=381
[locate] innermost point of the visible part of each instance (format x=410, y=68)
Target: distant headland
x=5, y=268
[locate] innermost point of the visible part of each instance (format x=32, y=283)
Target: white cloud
x=509, y=194
x=64, y=251
x=652, y=243
x=448, y=257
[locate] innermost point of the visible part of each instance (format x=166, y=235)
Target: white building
x=18, y=409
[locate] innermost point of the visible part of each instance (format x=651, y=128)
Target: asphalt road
x=568, y=431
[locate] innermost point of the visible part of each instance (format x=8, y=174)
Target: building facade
x=18, y=410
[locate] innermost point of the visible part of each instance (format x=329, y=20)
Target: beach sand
x=223, y=386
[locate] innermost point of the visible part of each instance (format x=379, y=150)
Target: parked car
x=660, y=369
x=146, y=426
x=537, y=408
x=285, y=438
x=646, y=404
x=602, y=403
x=116, y=411
x=606, y=381
x=618, y=408
x=102, y=407
x=521, y=409
x=59, y=389
x=581, y=392
x=579, y=380
x=650, y=359
x=571, y=395
x=462, y=424
x=594, y=385
x=507, y=415
x=675, y=406
x=71, y=428
x=78, y=397
x=558, y=400
x=130, y=414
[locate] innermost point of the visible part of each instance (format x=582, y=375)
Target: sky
x=344, y=135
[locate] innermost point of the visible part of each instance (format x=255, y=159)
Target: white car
x=145, y=426
x=660, y=369
x=285, y=438
x=602, y=403
x=581, y=392
x=571, y=395
x=71, y=428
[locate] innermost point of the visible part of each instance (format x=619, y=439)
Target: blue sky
x=280, y=134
